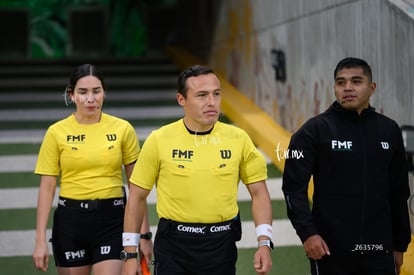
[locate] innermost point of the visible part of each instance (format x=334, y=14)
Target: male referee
x=196, y=164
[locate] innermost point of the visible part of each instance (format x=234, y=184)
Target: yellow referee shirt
x=88, y=158
x=197, y=176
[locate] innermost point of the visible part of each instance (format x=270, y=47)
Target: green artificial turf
x=286, y=261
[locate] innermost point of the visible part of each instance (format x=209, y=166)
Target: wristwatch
x=125, y=256
x=146, y=236
x=267, y=243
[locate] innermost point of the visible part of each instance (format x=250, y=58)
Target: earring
x=67, y=97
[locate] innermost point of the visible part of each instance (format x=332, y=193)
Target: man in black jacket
x=359, y=220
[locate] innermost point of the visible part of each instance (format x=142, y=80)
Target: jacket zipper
x=364, y=178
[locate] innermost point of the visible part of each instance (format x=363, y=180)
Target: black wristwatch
x=267, y=243
x=146, y=236
x=125, y=256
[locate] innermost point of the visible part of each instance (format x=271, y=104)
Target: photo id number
x=368, y=247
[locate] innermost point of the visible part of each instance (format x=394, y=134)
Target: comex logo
x=201, y=229
x=191, y=229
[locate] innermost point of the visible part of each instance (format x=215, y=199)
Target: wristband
x=264, y=230
x=146, y=236
x=130, y=239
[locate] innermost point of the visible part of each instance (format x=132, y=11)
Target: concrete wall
x=314, y=35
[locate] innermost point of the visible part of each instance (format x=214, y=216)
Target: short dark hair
x=194, y=70
x=353, y=62
x=81, y=71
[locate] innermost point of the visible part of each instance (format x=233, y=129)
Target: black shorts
x=196, y=249
x=87, y=232
x=355, y=265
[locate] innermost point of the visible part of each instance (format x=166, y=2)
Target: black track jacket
x=360, y=177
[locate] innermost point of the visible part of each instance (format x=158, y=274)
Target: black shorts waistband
x=90, y=205
x=198, y=229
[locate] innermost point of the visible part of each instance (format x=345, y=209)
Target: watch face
x=123, y=255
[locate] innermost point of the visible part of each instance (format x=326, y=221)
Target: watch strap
x=128, y=255
x=267, y=243
x=147, y=236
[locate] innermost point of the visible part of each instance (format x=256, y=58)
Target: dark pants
x=354, y=265
x=87, y=232
x=195, y=249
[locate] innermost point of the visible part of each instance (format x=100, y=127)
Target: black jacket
x=360, y=177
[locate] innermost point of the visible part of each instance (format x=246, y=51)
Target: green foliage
x=49, y=25
x=128, y=31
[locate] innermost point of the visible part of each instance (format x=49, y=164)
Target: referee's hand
x=131, y=267
x=262, y=260
x=41, y=256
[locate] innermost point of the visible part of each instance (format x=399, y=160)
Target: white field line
x=32, y=136
x=126, y=113
x=27, y=163
x=20, y=198
x=21, y=242
x=111, y=96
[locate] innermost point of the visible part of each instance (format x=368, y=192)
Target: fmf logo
x=75, y=255
x=186, y=154
x=76, y=139
x=337, y=145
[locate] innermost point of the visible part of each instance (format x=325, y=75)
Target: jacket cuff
x=306, y=233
